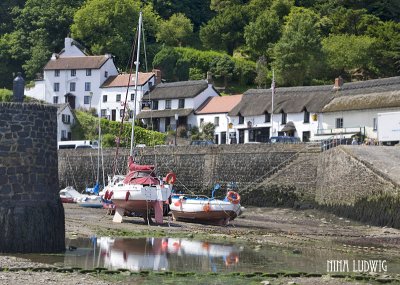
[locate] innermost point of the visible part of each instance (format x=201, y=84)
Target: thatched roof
x=175, y=90
x=288, y=99
x=164, y=113
x=361, y=102
x=377, y=93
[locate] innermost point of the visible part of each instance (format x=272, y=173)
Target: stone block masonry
x=31, y=213
x=198, y=168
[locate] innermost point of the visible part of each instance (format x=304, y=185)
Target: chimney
x=158, y=75
x=338, y=83
x=209, y=77
x=108, y=55
x=67, y=44
x=54, y=56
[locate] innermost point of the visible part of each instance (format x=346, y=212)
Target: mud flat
x=297, y=230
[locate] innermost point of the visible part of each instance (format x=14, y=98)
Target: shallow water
x=177, y=254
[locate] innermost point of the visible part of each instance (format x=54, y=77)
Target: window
x=63, y=134
x=72, y=86
x=150, y=85
x=374, y=124
x=87, y=86
x=105, y=73
x=121, y=113
x=306, y=116
x=284, y=118
x=241, y=119
x=118, y=98
x=216, y=121
x=73, y=72
x=103, y=113
x=132, y=96
x=167, y=126
x=56, y=87
x=306, y=136
x=56, y=73
x=167, y=104
x=104, y=98
x=66, y=119
x=267, y=118
x=201, y=122
x=86, y=100
x=181, y=103
x=130, y=114
x=55, y=100
x=339, y=123
x=155, y=105
x=88, y=72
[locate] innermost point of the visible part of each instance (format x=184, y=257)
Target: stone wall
x=31, y=214
x=198, y=168
x=353, y=188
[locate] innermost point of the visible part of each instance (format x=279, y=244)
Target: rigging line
x=91, y=159
x=125, y=104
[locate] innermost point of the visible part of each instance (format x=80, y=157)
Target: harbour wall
x=360, y=182
x=198, y=168
x=341, y=179
x=31, y=214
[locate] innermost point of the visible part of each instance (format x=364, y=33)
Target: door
x=241, y=136
x=113, y=115
x=223, y=137
x=70, y=99
x=216, y=139
x=306, y=136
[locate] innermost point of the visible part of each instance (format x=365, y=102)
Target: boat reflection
x=165, y=254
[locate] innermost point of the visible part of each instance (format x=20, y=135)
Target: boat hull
x=204, y=210
x=140, y=198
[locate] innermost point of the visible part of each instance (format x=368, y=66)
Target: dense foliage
x=86, y=127
x=304, y=41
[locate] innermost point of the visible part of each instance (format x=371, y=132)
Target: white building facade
x=65, y=119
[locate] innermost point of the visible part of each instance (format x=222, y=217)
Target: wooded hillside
x=307, y=42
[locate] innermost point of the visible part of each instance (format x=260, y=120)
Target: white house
x=74, y=77
x=354, y=110
x=171, y=105
x=65, y=119
x=215, y=110
x=296, y=112
x=114, y=91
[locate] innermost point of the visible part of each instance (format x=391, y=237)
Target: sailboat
x=141, y=190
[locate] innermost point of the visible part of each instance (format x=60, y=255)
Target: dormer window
x=267, y=117
x=181, y=103
x=306, y=116
x=167, y=104
x=284, y=118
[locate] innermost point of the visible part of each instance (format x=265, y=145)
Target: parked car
x=284, y=139
x=200, y=142
x=84, y=146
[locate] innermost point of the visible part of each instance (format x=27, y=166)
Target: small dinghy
x=203, y=209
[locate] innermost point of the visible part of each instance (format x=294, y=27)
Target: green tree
x=350, y=21
x=225, y=31
x=350, y=53
x=262, y=72
x=263, y=33
x=223, y=67
x=39, y=28
x=298, y=52
x=221, y=5
x=207, y=131
x=387, y=59
x=166, y=60
x=110, y=25
x=176, y=31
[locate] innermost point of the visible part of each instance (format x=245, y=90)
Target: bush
x=181, y=132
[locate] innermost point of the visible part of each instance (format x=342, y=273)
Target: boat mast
x=98, y=151
x=136, y=83
x=272, y=103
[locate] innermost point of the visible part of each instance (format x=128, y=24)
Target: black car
x=200, y=142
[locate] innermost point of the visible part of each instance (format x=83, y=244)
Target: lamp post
x=176, y=126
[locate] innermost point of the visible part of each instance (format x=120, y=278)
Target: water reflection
x=165, y=254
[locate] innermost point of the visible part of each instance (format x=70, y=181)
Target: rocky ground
x=298, y=229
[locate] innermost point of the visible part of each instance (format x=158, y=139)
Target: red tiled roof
x=121, y=80
x=77, y=62
x=223, y=104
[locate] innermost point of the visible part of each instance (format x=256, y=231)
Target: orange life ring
x=207, y=207
x=231, y=259
x=170, y=178
x=233, y=197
